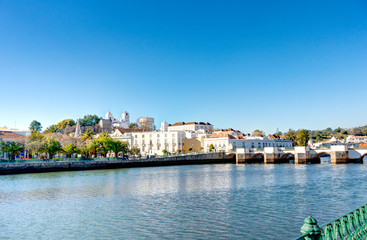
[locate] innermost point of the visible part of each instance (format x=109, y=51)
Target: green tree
x=135, y=150
x=189, y=149
x=278, y=133
x=258, y=133
x=89, y=120
x=117, y=146
x=85, y=151
x=70, y=149
x=65, y=123
x=51, y=146
x=87, y=134
x=36, y=136
x=291, y=135
x=35, y=126
x=13, y=148
x=303, y=137
x=104, y=141
x=211, y=147
x=35, y=147
x=133, y=126
x=93, y=147
x=179, y=150
x=164, y=151
x=52, y=129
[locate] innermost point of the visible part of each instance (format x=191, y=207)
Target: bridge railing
x=352, y=225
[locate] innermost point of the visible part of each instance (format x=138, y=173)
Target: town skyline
x=157, y=124
x=270, y=66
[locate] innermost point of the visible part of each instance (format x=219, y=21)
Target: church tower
x=125, y=118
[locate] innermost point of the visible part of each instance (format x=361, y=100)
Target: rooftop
x=190, y=123
x=6, y=135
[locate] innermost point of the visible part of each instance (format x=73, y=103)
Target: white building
x=122, y=123
x=190, y=126
x=227, y=141
x=155, y=142
x=332, y=142
x=356, y=139
x=151, y=142
x=25, y=133
x=8, y=136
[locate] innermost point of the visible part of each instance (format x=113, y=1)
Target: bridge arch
x=257, y=156
x=363, y=156
x=320, y=154
x=287, y=156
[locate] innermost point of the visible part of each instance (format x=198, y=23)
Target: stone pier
x=243, y=155
x=271, y=155
x=339, y=154
x=302, y=155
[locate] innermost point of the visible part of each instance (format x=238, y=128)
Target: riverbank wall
x=37, y=167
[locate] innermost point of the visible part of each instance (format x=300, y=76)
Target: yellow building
x=194, y=143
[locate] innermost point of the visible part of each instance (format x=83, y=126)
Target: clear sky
x=239, y=64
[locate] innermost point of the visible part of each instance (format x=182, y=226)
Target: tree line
x=47, y=145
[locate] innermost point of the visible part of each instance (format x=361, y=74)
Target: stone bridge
x=302, y=155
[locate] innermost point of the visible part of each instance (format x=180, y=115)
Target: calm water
x=222, y=201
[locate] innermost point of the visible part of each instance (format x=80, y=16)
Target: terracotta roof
x=178, y=124
x=190, y=123
x=11, y=136
x=129, y=130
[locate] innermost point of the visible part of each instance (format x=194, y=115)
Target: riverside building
x=230, y=139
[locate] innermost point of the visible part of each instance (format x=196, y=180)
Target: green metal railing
x=350, y=226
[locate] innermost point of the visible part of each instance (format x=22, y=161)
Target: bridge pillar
x=339, y=154
x=302, y=155
x=271, y=155
x=243, y=155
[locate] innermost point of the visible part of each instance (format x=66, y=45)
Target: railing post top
x=311, y=228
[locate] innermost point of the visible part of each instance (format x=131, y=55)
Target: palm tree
x=117, y=146
x=87, y=134
x=13, y=148
x=52, y=129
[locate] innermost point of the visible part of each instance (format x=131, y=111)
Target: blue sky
x=239, y=64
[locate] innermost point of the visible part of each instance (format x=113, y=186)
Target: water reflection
x=201, y=201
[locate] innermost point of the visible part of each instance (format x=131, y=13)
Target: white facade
x=356, y=139
x=156, y=142
x=191, y=126
x=152, y=142
x=230, y=143
x=122, y=123
x=124, y=137
x=164, y=126
x=333, y=142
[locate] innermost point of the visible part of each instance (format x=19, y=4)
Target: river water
x=220, y=201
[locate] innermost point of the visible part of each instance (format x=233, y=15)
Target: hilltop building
x=109, y=122
x=191, y=126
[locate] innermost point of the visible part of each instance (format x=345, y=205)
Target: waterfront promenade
x=28, y=166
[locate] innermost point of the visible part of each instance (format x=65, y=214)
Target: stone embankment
x=36, y=167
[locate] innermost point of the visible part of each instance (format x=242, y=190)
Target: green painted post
x=311, y=228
